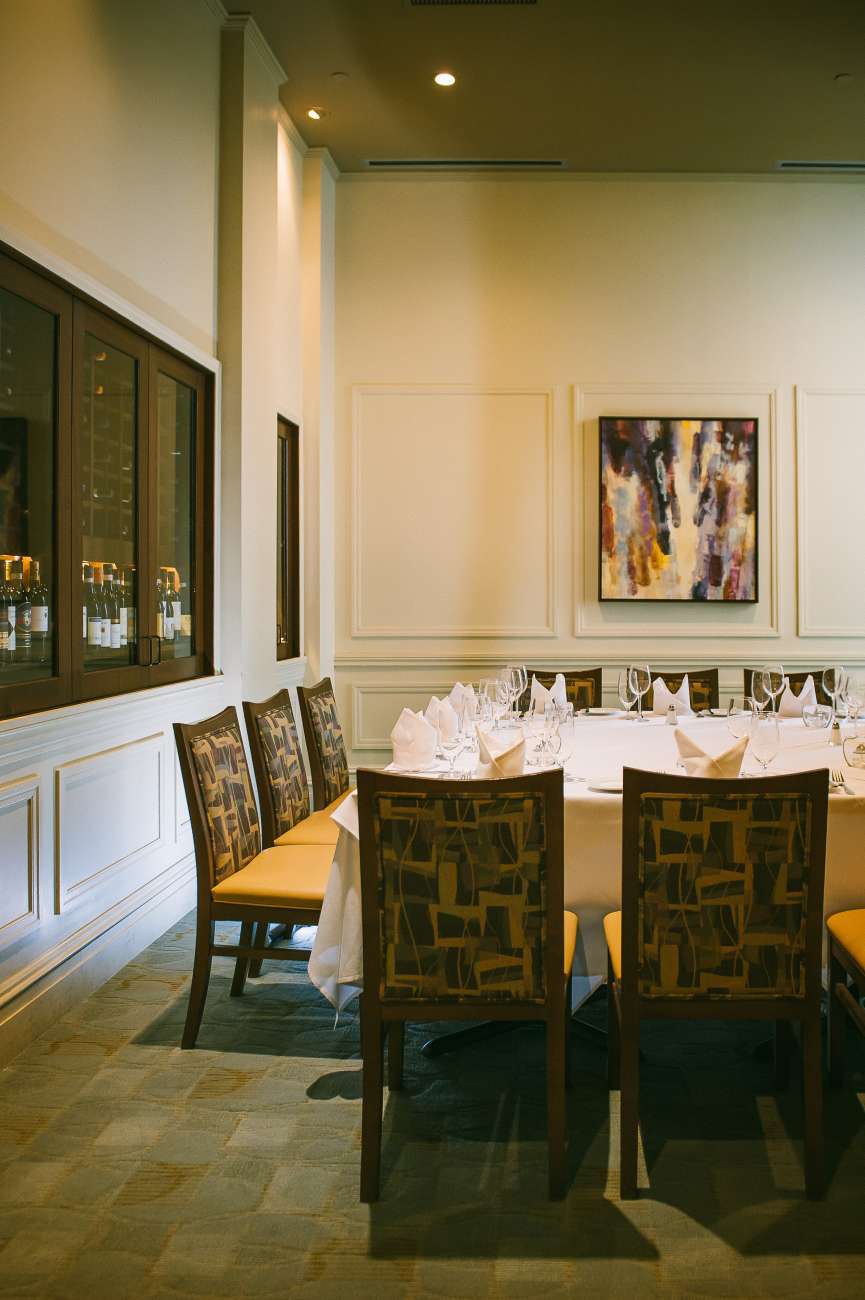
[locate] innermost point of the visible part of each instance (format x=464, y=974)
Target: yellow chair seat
x=613, y=935
x=572, y=922
x=317, y=828
x=280, y=877
x=849, y=929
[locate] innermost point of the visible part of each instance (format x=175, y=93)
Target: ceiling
x=604, y=85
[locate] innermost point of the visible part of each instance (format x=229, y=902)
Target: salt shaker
x=835, y=738
x=672, y=718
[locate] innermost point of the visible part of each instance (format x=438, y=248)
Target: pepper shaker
x=672, y=718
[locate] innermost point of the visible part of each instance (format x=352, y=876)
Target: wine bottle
x=185, y=611
x=104, y=611
x=11, y=605
x=176, y=612
x=160, y=611
x=39, y=616
x=113, y=609
x=85, y=579
x=6, y=632
x=23, y=615
x=129, y=604
x=94, y=609
x=167, y=607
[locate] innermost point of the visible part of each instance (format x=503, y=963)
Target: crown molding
x=325, y=157
x=245, y=23
x=218, y=10
x=291, y=130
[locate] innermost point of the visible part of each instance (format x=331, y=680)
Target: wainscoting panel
x=19, y=858
x=710, y=620
x=830, y=472
x=375, y=709
x=453, y=518
x=109, y=811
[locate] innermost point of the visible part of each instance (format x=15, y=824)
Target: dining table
x=594, y=751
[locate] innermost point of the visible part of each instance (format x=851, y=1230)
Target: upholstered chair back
x=702, y=684
x=582, y=686
x=278, y=764
x=219, y=794
x=796, y=680
x=324, y=742
x=463, y=880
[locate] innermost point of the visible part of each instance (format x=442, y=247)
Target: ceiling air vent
x=468, y=164
x=816, y=165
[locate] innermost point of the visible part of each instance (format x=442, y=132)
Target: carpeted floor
x=132, y=1169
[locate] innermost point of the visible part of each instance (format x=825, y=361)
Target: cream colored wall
x=483, y=324
x=109, y=142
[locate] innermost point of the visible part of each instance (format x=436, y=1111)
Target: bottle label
x=186, y=625
x=175, y=613
x=12, y=612
x=84, y=621
x=105, y=624
x=115, y=636
x=160, y=631
x=40, y=618
x=4, y=639
x=168, y=625
x=94, y=631
x=130, y=625
x=124, y=626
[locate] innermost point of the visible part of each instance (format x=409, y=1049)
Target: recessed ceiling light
x=843, y=78
x=444, y=79
x=315, y=113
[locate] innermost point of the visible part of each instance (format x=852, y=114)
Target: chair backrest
x=462, y=889
x=796, y=680
x=582, y=686
x=722, y=886
x=283, y=793
x=325, y=746
x=220, y=796
x=702, y=684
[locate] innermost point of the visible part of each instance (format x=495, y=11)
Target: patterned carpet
x=132, y=1169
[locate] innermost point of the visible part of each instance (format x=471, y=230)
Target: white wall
x=484, y=323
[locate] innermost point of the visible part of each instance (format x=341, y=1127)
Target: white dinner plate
x=605, y=787
x=605, y=713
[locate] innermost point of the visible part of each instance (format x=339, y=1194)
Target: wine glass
x=774, y=682
x=503, y=694
x=518, y=677
x=739, y=720
x=641, y=683
x=552, y=732
x=451, y=746
x=627, y=694
x=765, y=739
x=760, y=695
x=854, y=698
x=833, y=684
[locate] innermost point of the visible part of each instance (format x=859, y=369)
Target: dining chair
x=582, y=686
x=462, y=886
x=236, y=879
x=846, y=947
x=702, y=684
x=722, y=904
x=325, y=746
x=796, y=680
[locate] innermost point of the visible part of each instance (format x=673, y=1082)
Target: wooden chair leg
x=569, y=1062
x=259, y=940
x=395, y=1052
x=372, y=1042
x=556, y=1105
x=241, y=966
x=200, y=980
x=837, y=1018
x=613, y=1033
x=784, y=1045
x=812, y=1058
x=629, y=1117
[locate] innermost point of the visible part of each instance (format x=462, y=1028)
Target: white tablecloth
x=598, y=749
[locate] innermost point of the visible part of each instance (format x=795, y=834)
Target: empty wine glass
x=760, y=695
x=451, y=746
x=854, y=697
x=502, y=701
x=834, y=678
x=641, y=682
x=765, y=739
x=627, y=694
x=773, y=681
x=739, y=719
x=518, y=678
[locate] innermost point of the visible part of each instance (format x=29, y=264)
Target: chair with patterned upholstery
x=796, y=680
x=722, y=904
x=702, y=684
x=463, y=919
x=237, y=881
x=582, y=686
x=846, y=947
x=324, y=744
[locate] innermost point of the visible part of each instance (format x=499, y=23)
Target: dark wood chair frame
x=304, y=695
x=208, y=911
x=843, y=1002
x=797, y=681
x=568, y=674
x=252, y=711
x=627, y=1008
x=705, y=676
x=380, y=1019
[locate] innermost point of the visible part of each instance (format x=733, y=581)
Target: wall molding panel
x=587, y=399
x=364, y=549
x=830, y=575
x=19, y=858
x=402, y=693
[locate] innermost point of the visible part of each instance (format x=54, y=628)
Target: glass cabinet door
x=35, y=325
x=110, y=480
x=177, y=400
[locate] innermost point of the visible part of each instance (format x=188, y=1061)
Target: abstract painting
x=678, y=509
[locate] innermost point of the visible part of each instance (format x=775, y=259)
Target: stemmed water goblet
x=854, y=698
x=834, y=684
x=760, y=695
x=739, y=720
x=641, y=682
x=627, y=694
x=518, y=678
x=451, y=746
x=774, y=682
x=765, y=739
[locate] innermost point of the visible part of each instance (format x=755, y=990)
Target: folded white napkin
x=790, y=705
x=498, y=758
x=414, y=741
x=662, y=697
x=442, y=715
x=697, y=762
x=463, y=698
x=541, y=697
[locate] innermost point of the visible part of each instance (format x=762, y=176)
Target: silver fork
x=838, y=779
